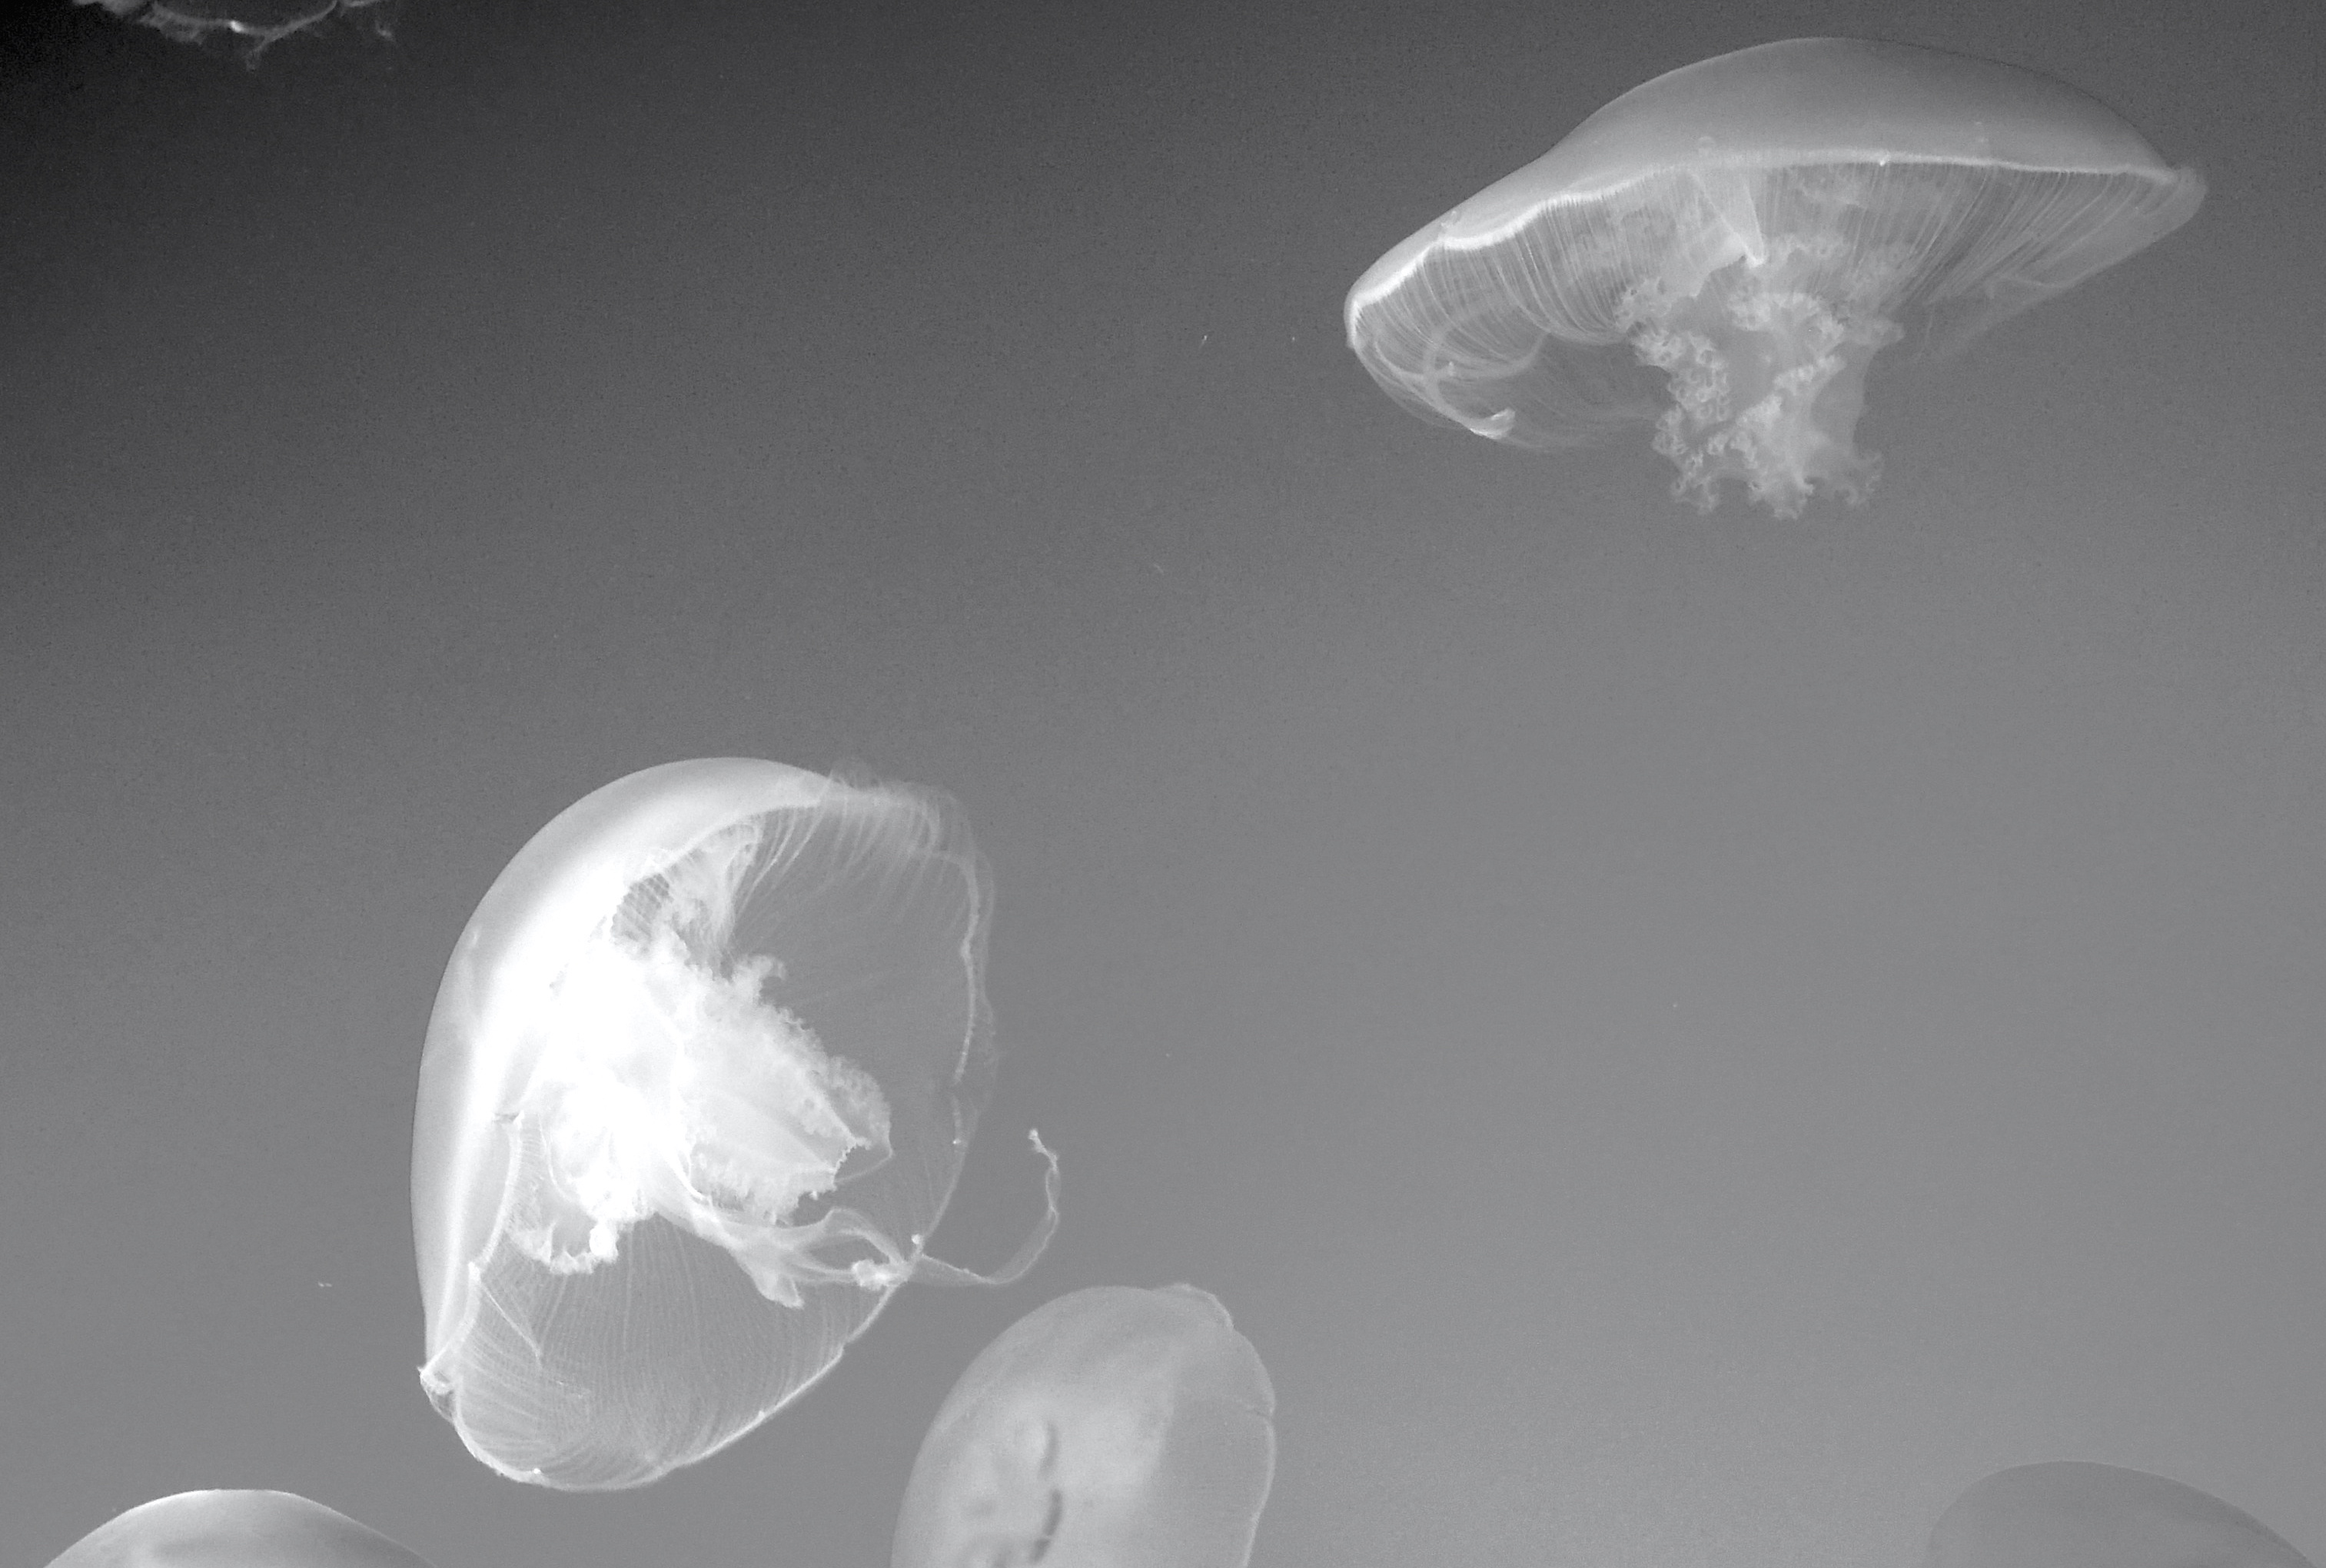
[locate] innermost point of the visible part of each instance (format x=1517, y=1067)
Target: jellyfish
x=244, y=28
x=2072, y=1515
x=234, y=1530
x=1753, y=229
x=1109, y=1428
x=700, y=1077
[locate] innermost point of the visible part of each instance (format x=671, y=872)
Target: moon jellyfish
x=700, y=1077
x=1750, y=231
x=2072, y=1514
x=245, y=28
x=1112, y=1428
x=234, y=1530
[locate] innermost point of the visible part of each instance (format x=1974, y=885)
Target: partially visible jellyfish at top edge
x=234, y=1529
x=1721, y=252
x=247, y=29
x=701, y=1075
x=1109, y=1428
x=2069, y=1514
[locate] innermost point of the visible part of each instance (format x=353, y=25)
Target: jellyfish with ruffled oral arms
x=703, y=1072
x=1722, y=252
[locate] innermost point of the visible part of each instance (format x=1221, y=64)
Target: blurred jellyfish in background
x=700, y=1077
x=244, y=28
x=235, y=1530
x=1752, y=229
x=1111, y=1428
x=2072, y=1515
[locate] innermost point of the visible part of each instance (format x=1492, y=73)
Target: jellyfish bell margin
x=701, y=1078
x=1721, y=253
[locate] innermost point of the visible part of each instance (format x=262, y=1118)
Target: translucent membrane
x=701, y=1074
x=234, y=1530
x=1112, y=1428
x=1721, y=252
x=2072, y=1515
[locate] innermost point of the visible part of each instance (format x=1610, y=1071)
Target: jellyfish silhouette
x=700, y=1077
x=1111, y=1428
x=1754, y=229
x=234, y=1530
x=2072, y=1515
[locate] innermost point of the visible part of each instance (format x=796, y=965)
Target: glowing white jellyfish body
x=700, y=1077
x=234, y=1530
x=1111, y=1428
x=2073, y=1515
x=1750, y=231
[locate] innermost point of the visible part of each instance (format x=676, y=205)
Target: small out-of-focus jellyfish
x=2073, y=1515
x=1754, y=229
x=1111, y=1428
x=701, y=1075
x=234, y=1530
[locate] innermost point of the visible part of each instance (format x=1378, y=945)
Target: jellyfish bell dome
x=1752, y=230
x=2072, y=1513
x=234, y=1529
x=1109, y=1428
x=701, y=1074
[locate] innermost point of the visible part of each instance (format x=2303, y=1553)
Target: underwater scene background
x=1678, y=1039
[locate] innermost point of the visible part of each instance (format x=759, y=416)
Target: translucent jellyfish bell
x=2072, y=1514
x=1751, y=230
x=1111, y=1428
x=701, y=1074
x=234, y=1530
